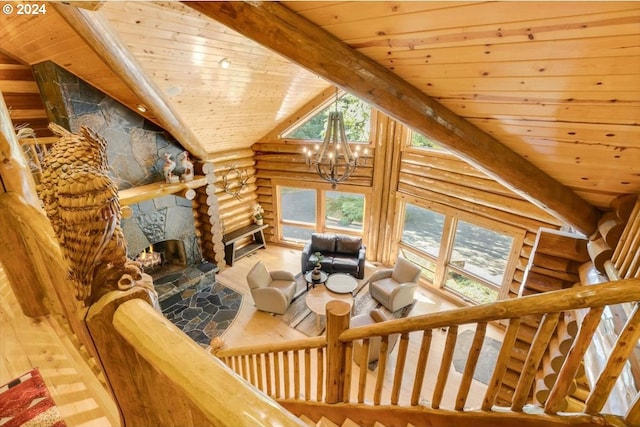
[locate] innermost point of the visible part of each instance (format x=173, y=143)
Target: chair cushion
x=405, y=271
x=259, y=276
x=323, y=243
x=385, y=286
x=345, y=265
x=286, y=286
x=348, y=244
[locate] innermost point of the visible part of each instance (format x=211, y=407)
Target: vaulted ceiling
x=557, y=83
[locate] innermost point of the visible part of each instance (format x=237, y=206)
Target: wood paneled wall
x=22, y=97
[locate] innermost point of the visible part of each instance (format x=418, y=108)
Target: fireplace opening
x=167, y=256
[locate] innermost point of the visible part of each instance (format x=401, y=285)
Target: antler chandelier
x=334, y=160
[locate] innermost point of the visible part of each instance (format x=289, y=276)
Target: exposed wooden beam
x=291, y=35
x=98, y=34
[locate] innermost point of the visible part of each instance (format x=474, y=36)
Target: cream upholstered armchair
x=374, y=316
x=394, y=287
x=271, y=291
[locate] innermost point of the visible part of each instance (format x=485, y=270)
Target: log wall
x=227, y=202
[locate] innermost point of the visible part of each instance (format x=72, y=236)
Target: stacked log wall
x=553, y=264
x=218, y=211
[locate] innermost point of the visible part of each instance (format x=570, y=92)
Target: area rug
x=204, y=314
x=25, y=402
x=299, y=317
x=486, y=359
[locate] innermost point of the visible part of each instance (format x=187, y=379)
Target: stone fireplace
x=161, y=232
x=135, y=151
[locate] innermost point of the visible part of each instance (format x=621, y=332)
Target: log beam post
x=338, y=316
x=291, y=35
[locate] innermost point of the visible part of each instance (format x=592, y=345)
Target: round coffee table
x=313, y=283
x=341, y=283
x=317, y=299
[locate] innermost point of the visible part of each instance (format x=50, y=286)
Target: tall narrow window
x=477, y=263
x=422, y=234
x=344, y=210
x=298, y=213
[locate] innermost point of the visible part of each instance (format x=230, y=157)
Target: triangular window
x=357, y=119
x=420, y=141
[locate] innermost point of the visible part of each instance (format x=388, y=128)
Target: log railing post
x=338, y=316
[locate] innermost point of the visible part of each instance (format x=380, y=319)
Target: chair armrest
x=270, y=299
x=380, y=274
x=304, y=257
x=361, y=256
x=282, y=275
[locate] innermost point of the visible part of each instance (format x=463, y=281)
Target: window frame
x=443, y=263
x=321, y=202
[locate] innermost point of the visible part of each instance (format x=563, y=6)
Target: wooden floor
x=27, y=343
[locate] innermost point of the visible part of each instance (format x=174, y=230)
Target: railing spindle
x=285, y=363
x=400, y=362
x=276, y=374
x=445, y=366
x=421, y=367
x=296, y=374
x=501, y=364
x=252, y=371
x=470, y=366
x=382, y=365
x=538, y=348
x=319, y=385
x=348, y=357
x=267, y=368
x=364, y=365
x=623, y=347
x=259, y=370
x=573, y=360
x=243, y=372
x=307, y=374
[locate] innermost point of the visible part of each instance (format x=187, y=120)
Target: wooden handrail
x=301, y=344
x=339, y=355
x=550, y=302
x=148, y=360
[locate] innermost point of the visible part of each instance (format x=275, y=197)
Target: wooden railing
x=161, y=377
x=338, y=364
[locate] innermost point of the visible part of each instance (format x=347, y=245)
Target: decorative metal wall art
x=234, y=180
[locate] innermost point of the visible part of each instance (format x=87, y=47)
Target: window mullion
x=446, y=247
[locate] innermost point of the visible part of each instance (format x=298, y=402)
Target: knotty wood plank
x=270, y=24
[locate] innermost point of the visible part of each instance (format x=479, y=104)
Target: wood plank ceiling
x=557, y=82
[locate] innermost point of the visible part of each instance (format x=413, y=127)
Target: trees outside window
x=304, y=211
x=356, y=115
x=420, y=141
x=344, y=210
